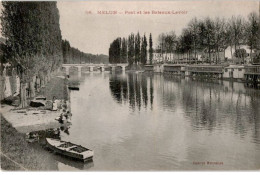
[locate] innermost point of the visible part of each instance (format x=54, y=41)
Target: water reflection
x=155, y=122
x=132, y=88
x=37, y=139
x=208, y=105
x=69, y=164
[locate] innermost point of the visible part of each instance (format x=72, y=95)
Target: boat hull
x=85, y=156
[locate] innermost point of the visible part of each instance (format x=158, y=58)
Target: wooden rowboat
x=70, y=150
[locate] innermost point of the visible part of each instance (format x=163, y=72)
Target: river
x=156, y=122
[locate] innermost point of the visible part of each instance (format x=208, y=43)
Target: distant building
x=159, y=57
x=220, y=56
x=201, y=56
x=231, y=57
x=234, y=71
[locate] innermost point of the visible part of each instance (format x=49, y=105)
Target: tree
x=137, y=48
x=241, y=54
x=194, y=29
x=170, y=42
x=33, y=40
x=209, y=29
x=66, y=51
x=131, y=49
x=180, y=47
x=124, y=51
x=236, y=30
x=219, y=36
x=187, y=42
x=115, y=52
x=150, y=49
x=161, y=47
x=252, y=29
x=144, y=50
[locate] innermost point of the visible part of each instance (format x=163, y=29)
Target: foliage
x=150, y=49
x=131, y=50
x=137, y=48
x=240, y=53
x=143, y=53
x=124, y=51
x=73, y=55
x=33, y=36
x=212, y=36
x=252, y=31
x=115, y=51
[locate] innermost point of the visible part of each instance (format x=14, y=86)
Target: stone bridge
x=91, y=67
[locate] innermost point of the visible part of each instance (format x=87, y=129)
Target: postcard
x=130, y=85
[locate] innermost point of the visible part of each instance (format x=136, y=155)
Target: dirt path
x=30, y=119
x=35, y=119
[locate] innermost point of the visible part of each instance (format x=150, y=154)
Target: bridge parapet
x=91, y=66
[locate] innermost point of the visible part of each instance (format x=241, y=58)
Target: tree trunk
x=219, y=60
x=48, y=76
x=224, y=55
x=32, y=89
x=209, y=55
x=38, y=84
x=251, y=55
x=42, y=82
x=178, y=58
x=231, y=53
x=46, y=79
x=23, y=95
x=195, y=52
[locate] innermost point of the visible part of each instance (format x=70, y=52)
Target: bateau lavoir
x=169, y=12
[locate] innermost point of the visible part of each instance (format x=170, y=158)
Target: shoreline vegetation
x=204, y=40
x=31, y=59
x=56, y=87
x=30, y=54
x=15, y=150
x=14, y=147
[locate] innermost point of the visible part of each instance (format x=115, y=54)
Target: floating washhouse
x=249, y=73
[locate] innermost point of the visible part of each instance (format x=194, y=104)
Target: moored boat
x=69, y=149
x=74, y=88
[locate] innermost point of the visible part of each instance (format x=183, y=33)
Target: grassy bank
x=55, y=87
x=15, y=150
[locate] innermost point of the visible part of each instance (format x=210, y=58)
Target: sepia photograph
x=130, y=85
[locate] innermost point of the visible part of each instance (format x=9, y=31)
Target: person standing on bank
x=54, y=104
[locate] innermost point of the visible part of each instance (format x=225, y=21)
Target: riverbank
x=240, y=73
x=32, y=118
x=16, y=153
x=135, y=69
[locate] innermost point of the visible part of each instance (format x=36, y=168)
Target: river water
x=155, y=122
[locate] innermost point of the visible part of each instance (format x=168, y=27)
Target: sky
x=94, y=32
x=91, y=32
